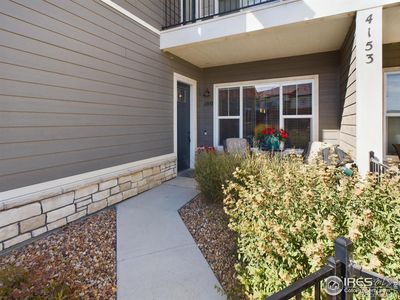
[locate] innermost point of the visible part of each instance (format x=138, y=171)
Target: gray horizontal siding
x=326, y=65
x=348, y=94
x=151, y=11
x=81, y=88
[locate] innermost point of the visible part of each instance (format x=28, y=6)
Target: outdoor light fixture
x=207, y=101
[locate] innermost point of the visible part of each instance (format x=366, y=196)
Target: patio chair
x=342, y=157
x=397, y=148
x=313, y=151
x=236, y=146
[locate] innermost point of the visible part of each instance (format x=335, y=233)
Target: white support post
x=369, y=117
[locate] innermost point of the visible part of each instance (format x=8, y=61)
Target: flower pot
x=273, y=143
x=282, y=145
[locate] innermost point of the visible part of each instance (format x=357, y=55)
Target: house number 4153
x=369, y=46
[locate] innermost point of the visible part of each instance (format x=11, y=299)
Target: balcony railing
x=181, y=12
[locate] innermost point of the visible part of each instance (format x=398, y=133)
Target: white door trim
x=193, y=115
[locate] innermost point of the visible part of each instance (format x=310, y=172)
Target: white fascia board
x=266, y=16
x=131, y=16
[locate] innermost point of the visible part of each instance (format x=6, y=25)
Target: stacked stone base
x=23, y=222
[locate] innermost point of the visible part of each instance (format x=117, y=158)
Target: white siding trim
x=131, y=16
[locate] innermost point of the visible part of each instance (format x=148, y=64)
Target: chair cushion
x=236, y=146
x=342, y=157
x=314, y=151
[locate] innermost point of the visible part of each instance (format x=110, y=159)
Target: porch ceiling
x=391, y=25
x=314, y=36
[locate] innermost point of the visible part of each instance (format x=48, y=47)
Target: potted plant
x=282, y=135
x=272, y=139
x=267, y=139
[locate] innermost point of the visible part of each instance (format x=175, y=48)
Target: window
x=245, y=108
x=392, y=111
x=260, y=108
x=297, y=113
x=228, y=113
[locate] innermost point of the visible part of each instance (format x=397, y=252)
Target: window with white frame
x=245, y=109
x=228, y=113
x=392, y=111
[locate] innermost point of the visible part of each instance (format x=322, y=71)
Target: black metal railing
x=344, y=272
x=314, y=280
x=181, y=12
x=375, y=166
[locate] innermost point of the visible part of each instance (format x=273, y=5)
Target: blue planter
x=271, y=143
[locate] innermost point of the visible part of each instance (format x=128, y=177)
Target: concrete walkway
x=157, y=257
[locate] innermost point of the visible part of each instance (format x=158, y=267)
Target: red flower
x=284, y=134
x=207, y=149
x=270, y=131
x=264, y=131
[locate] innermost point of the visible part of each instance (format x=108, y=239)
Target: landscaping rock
x=208, y=224
x=81, y=256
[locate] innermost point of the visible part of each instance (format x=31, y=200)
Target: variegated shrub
x=288, y=214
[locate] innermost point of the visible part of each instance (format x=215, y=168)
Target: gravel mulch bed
x=208, y=224
x=81, y=256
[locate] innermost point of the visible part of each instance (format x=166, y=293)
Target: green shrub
x=287, y=216
x=212, y=171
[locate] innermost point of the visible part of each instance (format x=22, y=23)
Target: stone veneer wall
x=23, y=220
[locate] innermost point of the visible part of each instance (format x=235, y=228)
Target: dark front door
x=183, y=126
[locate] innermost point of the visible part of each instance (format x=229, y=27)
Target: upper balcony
x=181, y=12
x=210, y=33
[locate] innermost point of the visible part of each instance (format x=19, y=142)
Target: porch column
x=369, y=111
